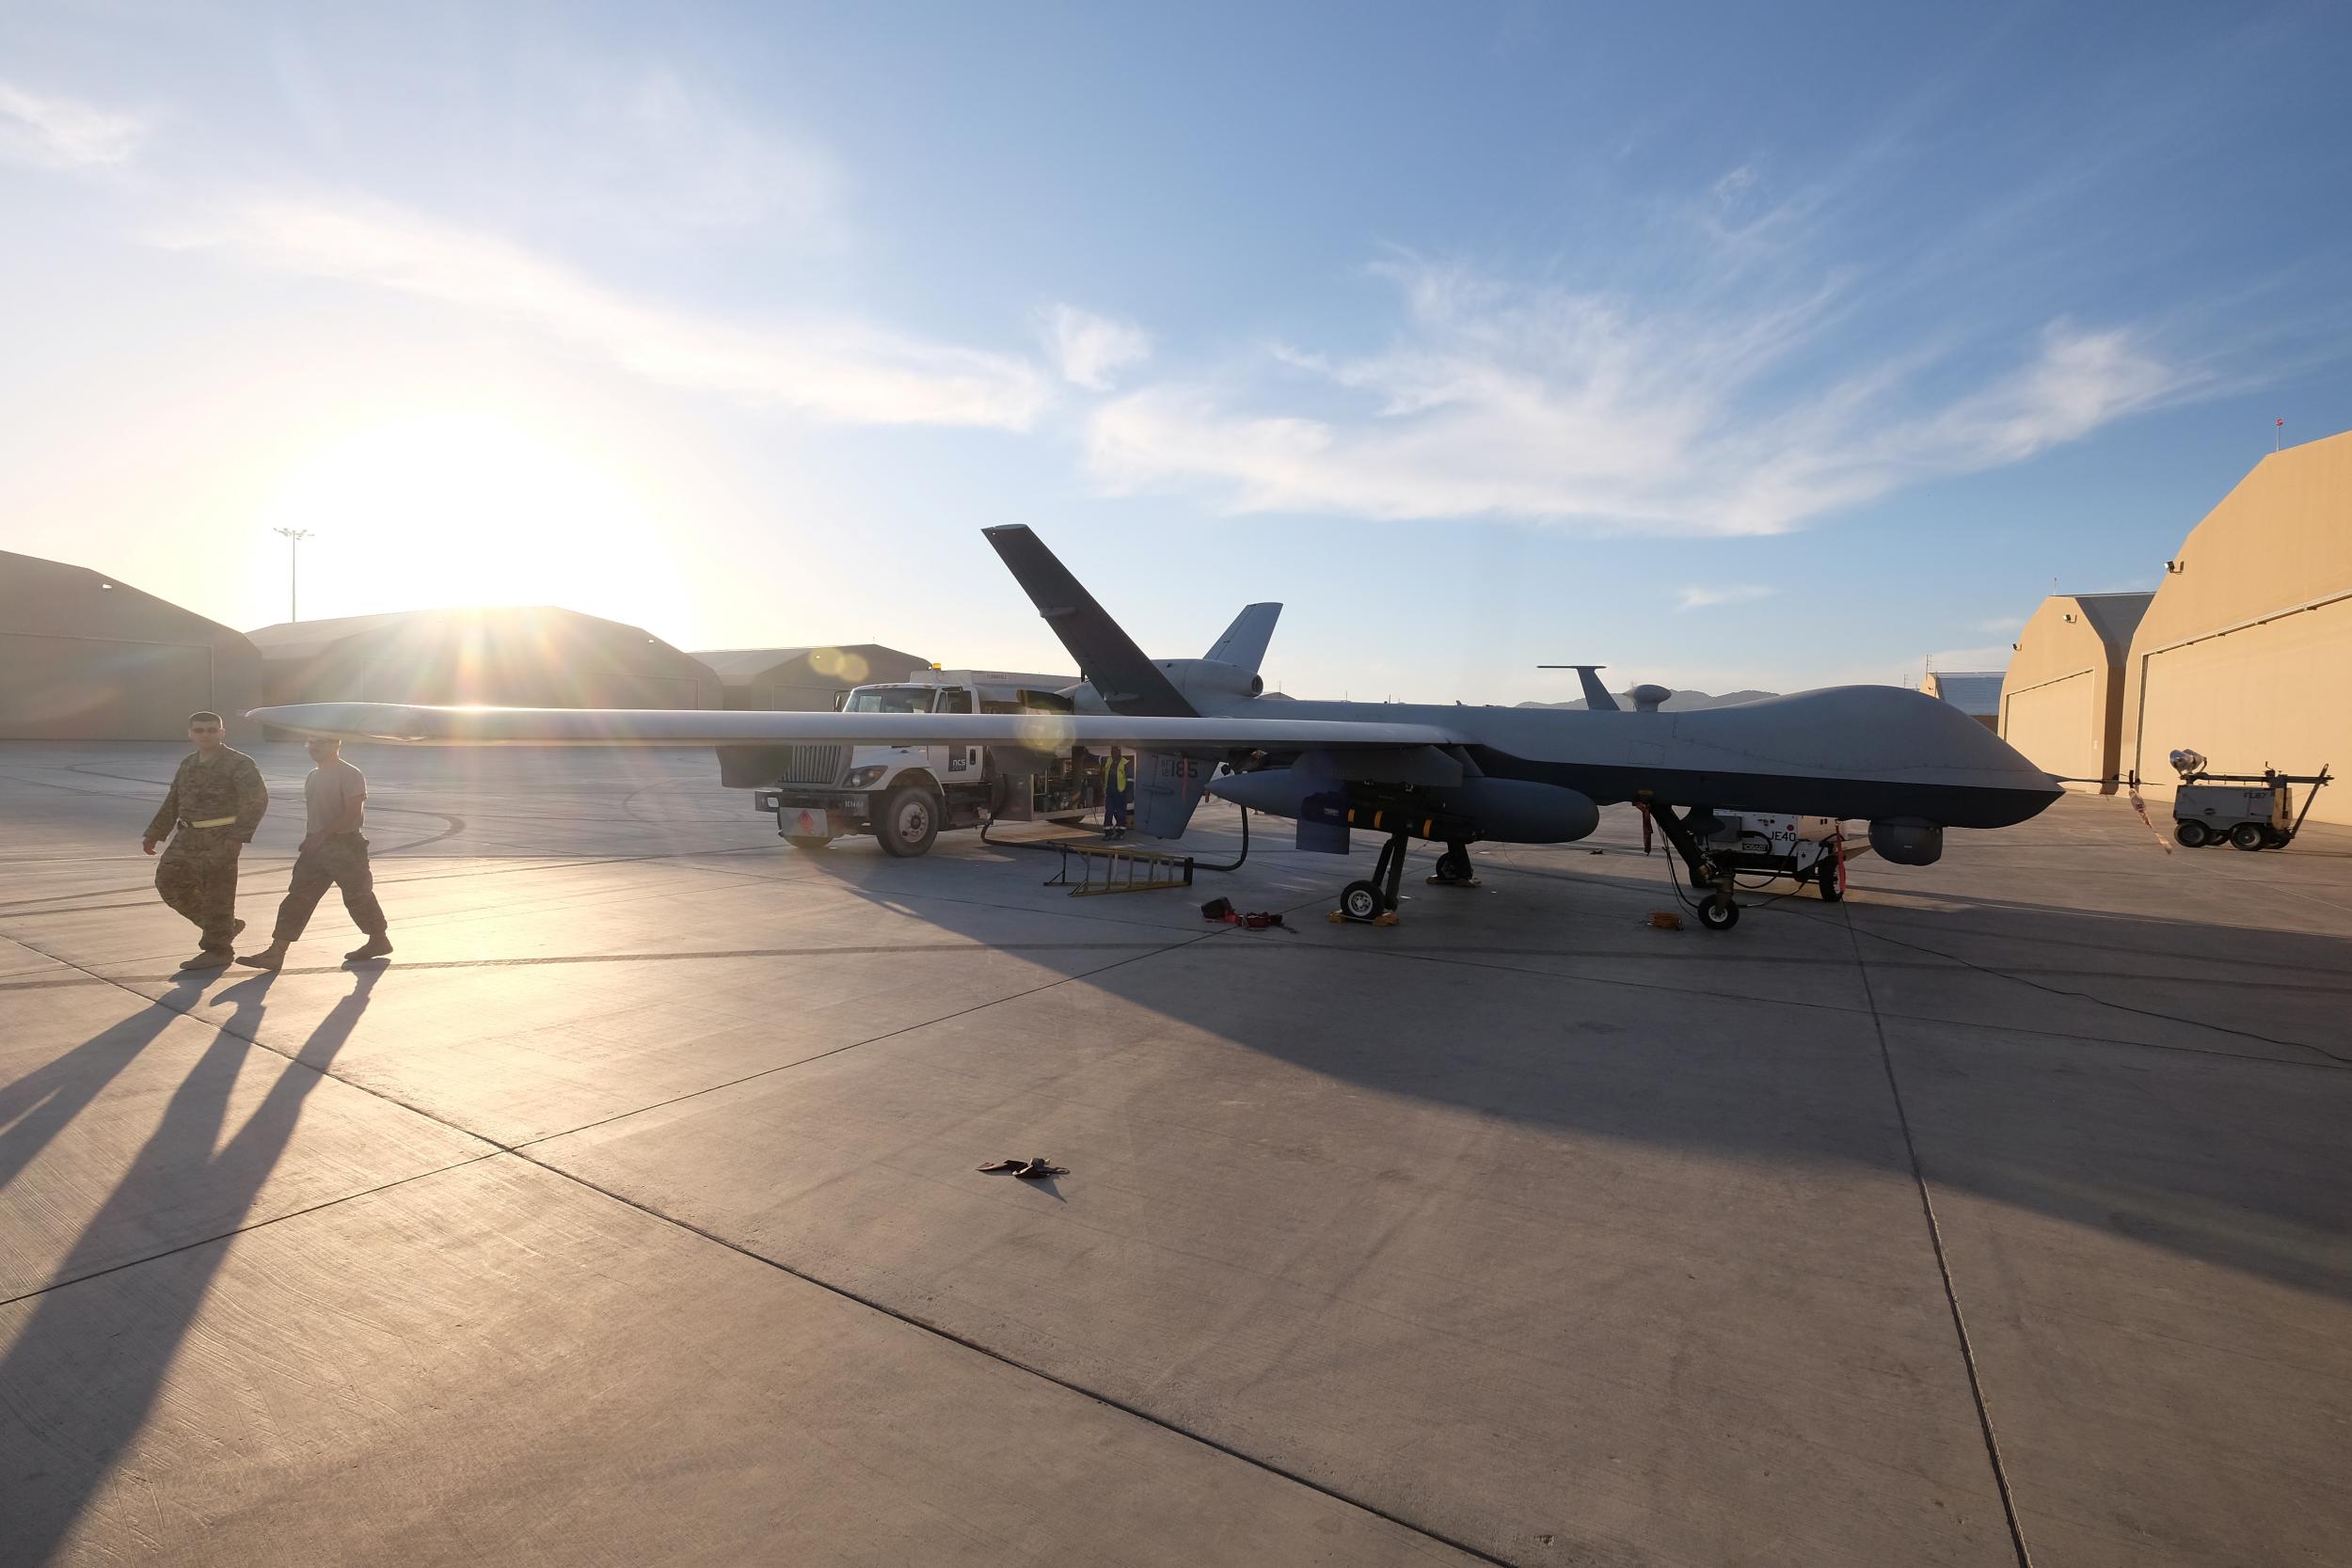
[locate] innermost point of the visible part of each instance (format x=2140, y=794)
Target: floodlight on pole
x=294, y=536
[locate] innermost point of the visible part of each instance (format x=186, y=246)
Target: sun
x=436, y=511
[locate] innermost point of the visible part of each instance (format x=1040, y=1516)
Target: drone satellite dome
x=1647, y=698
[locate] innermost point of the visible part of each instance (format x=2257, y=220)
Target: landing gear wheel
x=2248, y=836
x=908, y=821
x=2192, y=835
x=1828, y=877
x=1719, y=913
x=803, y=841
x=1453, y=867
x=1361, y=901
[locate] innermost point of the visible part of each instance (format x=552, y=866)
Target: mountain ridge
x=1681, y=702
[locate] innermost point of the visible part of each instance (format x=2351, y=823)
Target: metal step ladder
x=1121, y=869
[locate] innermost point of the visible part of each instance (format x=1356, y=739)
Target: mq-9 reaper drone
x=1907, y=762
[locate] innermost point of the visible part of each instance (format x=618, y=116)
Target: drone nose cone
x=1900, y=753
x=2013, y=788
x=1999, y=754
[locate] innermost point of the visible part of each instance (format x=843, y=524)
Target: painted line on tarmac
x=1461, y=957
x=60, y=905
x=714, y=954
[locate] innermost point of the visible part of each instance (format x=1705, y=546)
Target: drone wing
x=408, y=724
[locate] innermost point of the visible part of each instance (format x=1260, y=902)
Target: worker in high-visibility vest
x=1119, y=782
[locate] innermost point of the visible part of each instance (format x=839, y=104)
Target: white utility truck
x=905, y=795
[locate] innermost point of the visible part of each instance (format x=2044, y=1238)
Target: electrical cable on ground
x=1674, y=881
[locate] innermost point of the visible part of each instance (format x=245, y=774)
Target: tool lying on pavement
x=1037, y=1169
x=1256, y=920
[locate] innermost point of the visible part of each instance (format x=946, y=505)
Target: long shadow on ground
x=82, y=1383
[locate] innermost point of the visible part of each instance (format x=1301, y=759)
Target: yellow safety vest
x=1119, y=774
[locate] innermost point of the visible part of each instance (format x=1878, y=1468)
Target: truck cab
x=905, y=796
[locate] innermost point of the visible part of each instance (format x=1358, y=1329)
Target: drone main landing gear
x=1373, y=901
x=1719, y=912
x=1453, y=867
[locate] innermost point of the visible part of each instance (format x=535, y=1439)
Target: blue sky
x=1740, y=346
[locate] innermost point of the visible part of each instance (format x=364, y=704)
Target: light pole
x=294, y=536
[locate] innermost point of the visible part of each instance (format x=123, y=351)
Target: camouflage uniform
x=197, y=874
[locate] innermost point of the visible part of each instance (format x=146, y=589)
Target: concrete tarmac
x=631, y=1214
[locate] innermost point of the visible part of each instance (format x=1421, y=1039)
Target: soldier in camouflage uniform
x=216, y=803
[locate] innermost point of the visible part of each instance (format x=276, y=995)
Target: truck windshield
x=890, y=699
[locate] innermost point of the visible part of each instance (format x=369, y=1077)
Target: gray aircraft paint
x=1849, y=751
x=1854, y=751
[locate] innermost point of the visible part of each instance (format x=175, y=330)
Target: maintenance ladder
x=1123, y=870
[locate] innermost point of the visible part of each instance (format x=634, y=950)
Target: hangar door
x=98, y=688
x=2057, y=725
x=2269, y=695
x=639, y=692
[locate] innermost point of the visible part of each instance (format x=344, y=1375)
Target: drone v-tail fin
x=1245, y=642
x=1596, y=696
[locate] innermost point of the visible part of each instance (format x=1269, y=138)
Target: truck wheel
x=2192, y=834
x=908, y=821
x=1827, y=877
x=2248, y=836
x=800, y=841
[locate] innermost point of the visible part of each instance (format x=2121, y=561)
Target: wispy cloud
x=1089, y=347
x=63, y=134
x=1611, y=413
x=671, y=157
x=1708, y=598
x=825, y=366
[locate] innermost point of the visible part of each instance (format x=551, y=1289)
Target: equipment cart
x=2251, y=810
x=1722, y=850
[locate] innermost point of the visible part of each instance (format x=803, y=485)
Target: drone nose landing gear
x=1373, y=901
x=1719, y=912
